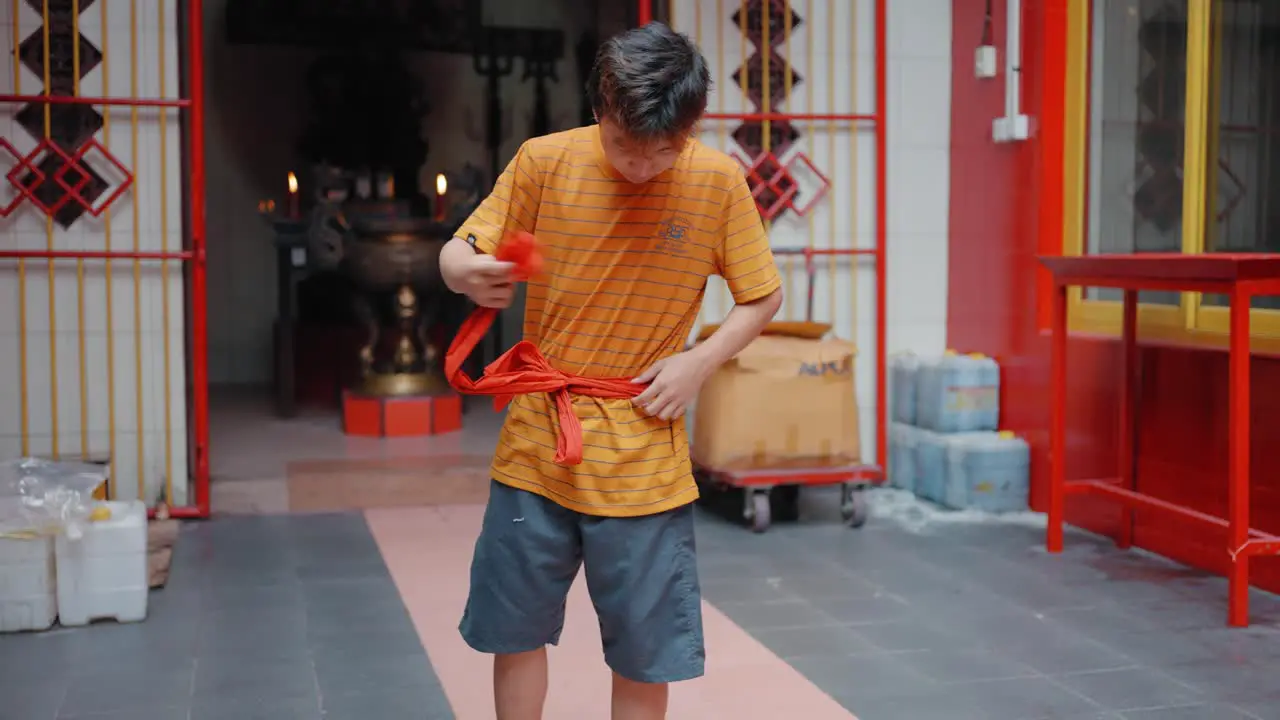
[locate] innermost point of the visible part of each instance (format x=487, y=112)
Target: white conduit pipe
x=1014, y=126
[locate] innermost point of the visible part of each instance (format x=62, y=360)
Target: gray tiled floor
x=298, y=618
x=294, y=617
x=977, y=622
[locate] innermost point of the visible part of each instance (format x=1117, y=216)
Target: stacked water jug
x=945, y=444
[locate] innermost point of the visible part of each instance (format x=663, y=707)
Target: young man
x=631, y=215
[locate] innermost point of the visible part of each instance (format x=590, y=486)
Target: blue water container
x=958, y=393
x=988, y=401
x=988, y=472
x=902, y=387
x=903, y=440
x=928, y=393
x=930, y=465
x=932, y=472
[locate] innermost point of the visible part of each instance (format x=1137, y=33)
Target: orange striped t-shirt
x=624, y=271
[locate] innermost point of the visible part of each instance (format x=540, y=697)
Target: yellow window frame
x=1189, y=323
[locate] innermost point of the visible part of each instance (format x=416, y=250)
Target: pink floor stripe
x=428, y=551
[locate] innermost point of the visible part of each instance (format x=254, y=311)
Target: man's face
x=637, y=162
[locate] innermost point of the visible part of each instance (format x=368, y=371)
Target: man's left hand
x=673, y=383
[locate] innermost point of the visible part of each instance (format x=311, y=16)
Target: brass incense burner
x=393, y=259
x=396, y=261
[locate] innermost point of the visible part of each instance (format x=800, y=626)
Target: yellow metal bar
x=832, y=265
x=766, y=106
x=721, y=298
x=1075, y=149
x=1195, y=143
x=788, y=264
x=746, y=83
x=106, y=231
x=853, y=172
x=1214, y=131
x=84, y=365
x=164, y=268
x=809, y=141
x=1213, y=99
x=697, y=20
x=53, y=279
x=1216, y=318
x=24, y=401
x=766, y=101
x=137, y=265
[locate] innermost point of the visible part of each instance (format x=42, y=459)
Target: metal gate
x=809, y=192
x=103, y=352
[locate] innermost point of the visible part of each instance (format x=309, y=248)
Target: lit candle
x=442, y=205
x=293, y=197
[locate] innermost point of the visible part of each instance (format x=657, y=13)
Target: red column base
x=408, y=416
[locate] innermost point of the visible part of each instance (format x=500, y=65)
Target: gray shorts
x=641, y=572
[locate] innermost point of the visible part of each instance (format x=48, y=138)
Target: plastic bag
x=47, y=497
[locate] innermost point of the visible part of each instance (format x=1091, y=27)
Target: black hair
x=651, y=81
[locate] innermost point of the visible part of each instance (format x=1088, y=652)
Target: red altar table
x=1240, y=278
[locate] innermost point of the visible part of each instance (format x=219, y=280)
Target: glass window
x=1243, y=183
x=1137, y=128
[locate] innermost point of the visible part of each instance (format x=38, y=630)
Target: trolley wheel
x=759, y=512
x=853, y=506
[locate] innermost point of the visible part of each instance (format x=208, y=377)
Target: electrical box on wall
x=1011, y=129
x=984, y=62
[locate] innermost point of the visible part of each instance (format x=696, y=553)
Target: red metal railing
x=194, y=254
x=199, y=293
x=806, y=117
x=877, y=119
x=83, y=100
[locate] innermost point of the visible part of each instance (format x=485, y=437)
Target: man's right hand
x=483, y=279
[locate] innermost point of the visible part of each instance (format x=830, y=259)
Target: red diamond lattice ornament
x=815, y=195
x=22, y=163
x=776, y=187
x=71, y=176
x=77, y=161
x=769, y=177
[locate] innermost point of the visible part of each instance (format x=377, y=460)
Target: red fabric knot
x=523, y=369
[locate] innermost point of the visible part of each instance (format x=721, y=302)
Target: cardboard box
x=787, y=400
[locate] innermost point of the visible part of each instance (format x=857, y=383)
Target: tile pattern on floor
x=977, y=621
x=265, y=617
x=286, y=617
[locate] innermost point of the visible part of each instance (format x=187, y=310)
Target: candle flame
x=293, y=183
x=442, y=184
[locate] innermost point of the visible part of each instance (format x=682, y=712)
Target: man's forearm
x=743, y=324
x=451, y=255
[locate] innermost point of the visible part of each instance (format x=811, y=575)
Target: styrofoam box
x=28, y=585
x=103, y=574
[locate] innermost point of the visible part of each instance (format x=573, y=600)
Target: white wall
x=99, y=382
x=835, y=57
